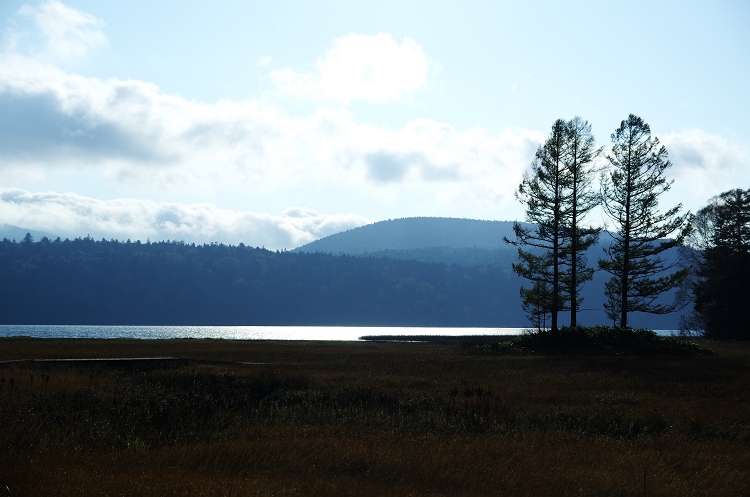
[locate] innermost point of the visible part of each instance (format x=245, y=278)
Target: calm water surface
x=243, y=332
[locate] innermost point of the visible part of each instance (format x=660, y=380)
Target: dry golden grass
x=309, y=418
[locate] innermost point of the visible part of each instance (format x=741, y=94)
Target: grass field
x=365, y=418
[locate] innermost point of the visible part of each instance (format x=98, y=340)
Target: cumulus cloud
x=375, y=68
x=72, y=215
x=128, y=128
x=131, y=131
x=70, y=35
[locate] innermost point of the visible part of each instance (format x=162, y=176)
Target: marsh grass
x=369, y=419
x=596, y=340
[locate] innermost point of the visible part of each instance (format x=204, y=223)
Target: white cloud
x=265, y=61
x=71, y=215
x=374, y=68
x=70, y=35
x=130, y=131
x=705, y=165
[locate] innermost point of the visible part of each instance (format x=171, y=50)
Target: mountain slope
x=15, y=233
x=414, y=233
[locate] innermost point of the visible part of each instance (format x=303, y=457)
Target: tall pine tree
x=546, y=193
x=581, y=154
x=630, y=194
x=558, y=194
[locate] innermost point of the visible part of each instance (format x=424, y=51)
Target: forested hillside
x=84, y=281
x=501, y=257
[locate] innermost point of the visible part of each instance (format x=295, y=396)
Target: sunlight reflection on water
x=323, y=333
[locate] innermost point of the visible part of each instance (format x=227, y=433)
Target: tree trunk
x=626, y=249
x=574, y=247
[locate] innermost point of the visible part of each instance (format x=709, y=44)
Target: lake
x=336, y=333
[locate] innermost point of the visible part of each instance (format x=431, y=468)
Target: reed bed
x=305, y=418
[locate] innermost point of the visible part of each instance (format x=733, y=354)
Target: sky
x=276, y=123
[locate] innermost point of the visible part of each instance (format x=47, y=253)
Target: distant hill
x=415, y=233
x=470, y=242
x=15, y=233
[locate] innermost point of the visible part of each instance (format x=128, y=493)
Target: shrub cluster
x=596, y=340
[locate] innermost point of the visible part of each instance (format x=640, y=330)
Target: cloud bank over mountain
x=71, y=215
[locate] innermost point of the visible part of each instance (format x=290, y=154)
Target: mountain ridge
x=16, y=233
x=414, y=233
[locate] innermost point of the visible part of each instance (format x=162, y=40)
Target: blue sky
x=274, y=123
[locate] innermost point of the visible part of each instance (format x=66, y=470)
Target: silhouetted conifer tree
x=546, y=193
x=558, y=195
x=535, y=302
x=581, y=154
x=720, y=289
x=630, y=194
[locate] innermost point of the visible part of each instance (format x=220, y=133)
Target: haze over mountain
x=15, y=233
